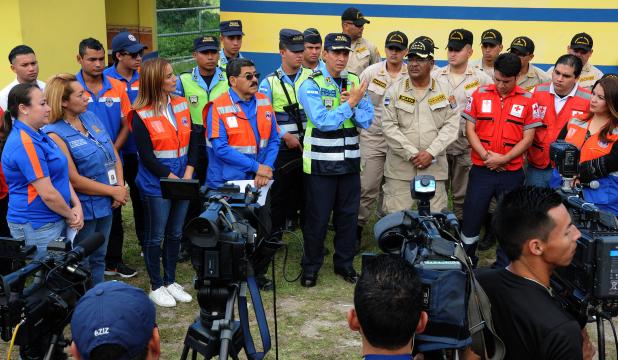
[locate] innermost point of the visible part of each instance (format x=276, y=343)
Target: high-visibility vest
x=280, y=100
x=331, y=152
x=170, y=145
x=538, y=153
x=197, y=96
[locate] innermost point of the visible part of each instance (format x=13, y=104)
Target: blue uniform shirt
x=219, y=75
x=29, y=155
x=226, y=163
x=132, y=88
x=323, y=119
x=223, y=59
x=267, y=90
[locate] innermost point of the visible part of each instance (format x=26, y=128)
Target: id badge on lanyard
x=110, y=167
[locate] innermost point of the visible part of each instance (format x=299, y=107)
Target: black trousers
x=323, y=194
x=287, y=190
x=4, y=209
x=196, y=205
x=116, y=236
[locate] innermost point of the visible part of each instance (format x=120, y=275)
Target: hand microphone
x=344, y=80
x=85, y=248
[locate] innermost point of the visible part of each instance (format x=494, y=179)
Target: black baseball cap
x=421, y=49
x=396, y=39
x=491, y=36
x=338, y=41
x=354, y=15
x=426, y=39
x=522, y=44
x=582, y=41
x=127, y=42
x=292, y=40
x=231, y=28
x=459, y=38
x=207, y=42
x=312, y=36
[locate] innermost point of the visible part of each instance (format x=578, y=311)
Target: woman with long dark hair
x=161, y=123
x=41, y=199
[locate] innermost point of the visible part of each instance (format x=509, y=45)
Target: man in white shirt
x=26, y=68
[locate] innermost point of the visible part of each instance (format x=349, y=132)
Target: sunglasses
x=133, y=55
x=249, y=76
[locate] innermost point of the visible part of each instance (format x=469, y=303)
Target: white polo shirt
x=559, y=102
x=4, y=93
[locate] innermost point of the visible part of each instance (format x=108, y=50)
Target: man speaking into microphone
x=335, y=104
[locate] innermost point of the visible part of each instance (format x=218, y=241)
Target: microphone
x=85, y=248
x=344, y=80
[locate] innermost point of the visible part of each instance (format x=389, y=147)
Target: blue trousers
x=96, y=261
x=538, y=177
x=38, y=237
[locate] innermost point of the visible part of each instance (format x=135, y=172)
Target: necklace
x=548, y=288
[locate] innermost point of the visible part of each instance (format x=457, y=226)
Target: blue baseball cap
x=126, y=41
x=204, y=43
x=292, y=40
x=338, y=41
x=113, y=312
x=231, y=28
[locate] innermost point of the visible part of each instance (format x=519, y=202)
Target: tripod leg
x=601, y=338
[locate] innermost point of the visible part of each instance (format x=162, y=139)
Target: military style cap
x=426, y=39
x=312, y=36
x=231, y=28
x=396, y=39
x=421, y=49
x=338, y=41
x=491, y=36
x=292, y=40
x=522, y=44
x=459, y=38
x=207, y=42
x=582, y=41
x=355, y=16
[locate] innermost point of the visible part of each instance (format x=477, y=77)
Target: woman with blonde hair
x=95, y=169
x=161, y=124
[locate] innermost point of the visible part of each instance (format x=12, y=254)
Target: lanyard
x=92, y=138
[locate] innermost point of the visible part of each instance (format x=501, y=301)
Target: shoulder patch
x=586, y=78
x=407, y=99
x=436, y=99
x=379, y=83
x=527, y=94
x=315, y=74
x=583, y=94
x=471, y=85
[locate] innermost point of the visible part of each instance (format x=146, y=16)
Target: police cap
x=491, y=36
x=231, y=28
x=355, y=16
x=204, y=43
x=582, y=41
x=459, y=38
x=420, y=48
x=292, y=40
x=523, y=45
x=338, y=41
x=312, y=36
x=127, y=42
x=426, y=39
x=396, y=39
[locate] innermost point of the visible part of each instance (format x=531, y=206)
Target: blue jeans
x=163, y=221
x=38, y=237
x=96, y=261
x=538, y=177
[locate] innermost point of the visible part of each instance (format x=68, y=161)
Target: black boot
x=359, y=238
x=489, y=239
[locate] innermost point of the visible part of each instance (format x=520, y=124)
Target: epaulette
x=543, y=87
x=527, y=94
x=583, y=94
x=315, y=74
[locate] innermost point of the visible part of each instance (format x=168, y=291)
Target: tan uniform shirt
x=590, y=74
x=411, y=125
x=479, y=65
x=362, y=55
x=534, y=77
x=457, y=95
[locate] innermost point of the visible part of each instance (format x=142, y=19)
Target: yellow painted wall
x=10, y=28
x=131, y=13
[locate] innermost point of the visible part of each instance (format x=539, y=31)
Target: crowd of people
x=339, y=130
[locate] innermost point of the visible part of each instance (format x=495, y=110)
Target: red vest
x=240, y=135
x=592, y=147
x=538, y=153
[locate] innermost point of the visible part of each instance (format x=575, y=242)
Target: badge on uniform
x=328, y=103
x=77, y=143
x=452, y=102
x=184, y=121
x=111, y=173
x=575, y=113
x=486, y=106
x=193, y=99
x=109, y=102
x=469, y=104
x=231, y=122
x=541, y=112
x=517, y=110
x=269, y=115
x=387, y=101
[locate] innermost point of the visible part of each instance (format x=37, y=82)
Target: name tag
x=77, y=143
x=231, y=121
x=111, y=173
x=436, y=99
x=407, y=99
x=486, y=106
x=472, y=85
x=379, y=83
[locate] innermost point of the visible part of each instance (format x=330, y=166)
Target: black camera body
x=589, y=285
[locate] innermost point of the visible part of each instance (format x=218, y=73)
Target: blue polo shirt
x=29, y=155
x=110, y=105
x=131, y=87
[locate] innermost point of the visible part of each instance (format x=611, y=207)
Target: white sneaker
x=176, y=291
x=162, y=298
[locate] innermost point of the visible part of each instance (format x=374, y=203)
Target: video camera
x=430, y=242
x=37, y=300
x=589, y=285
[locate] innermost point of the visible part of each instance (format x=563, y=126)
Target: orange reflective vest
x=170, y=145
x=592, y=147
x=552, y=122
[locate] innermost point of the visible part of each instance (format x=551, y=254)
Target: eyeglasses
x=133, y=55
x=249, y=76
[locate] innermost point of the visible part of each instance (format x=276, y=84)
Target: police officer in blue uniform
x=335, y=104
x=231, y=39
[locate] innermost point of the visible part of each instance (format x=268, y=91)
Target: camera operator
x=595, y=135
x=387, y=308
x=114, y=320
x=535, y=231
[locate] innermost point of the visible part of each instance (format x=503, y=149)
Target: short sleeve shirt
x=30, y=155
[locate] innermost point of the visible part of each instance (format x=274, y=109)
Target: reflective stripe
x=263, y=143
x=613, y=173
x=171, y=154
x=145, y=113
x=353, y=140
x=184, y=150
x=263, y=102
x=105, y=99
x=291, y=127
x=581, y=124
x=226, y=109
x=351, y=154
x=324, y=142
x=180, y=107
x=323, y=156
x=245, y=149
